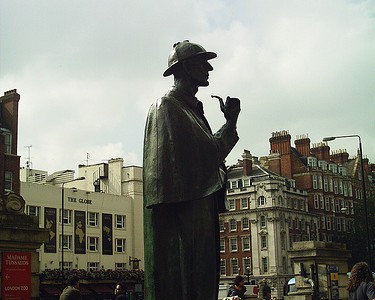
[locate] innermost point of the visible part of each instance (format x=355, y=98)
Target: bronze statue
x=184, y=181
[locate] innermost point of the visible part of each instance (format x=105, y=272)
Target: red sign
x=16, y=276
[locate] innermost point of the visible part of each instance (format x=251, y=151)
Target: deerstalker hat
x=184, y=50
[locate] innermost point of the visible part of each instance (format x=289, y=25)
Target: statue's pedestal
x=20, y=233
x=324, y=266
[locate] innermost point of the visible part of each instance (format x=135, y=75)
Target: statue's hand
x=231, y=108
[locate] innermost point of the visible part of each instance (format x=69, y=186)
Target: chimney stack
x=302, y=144
x=321, y=151
x=247, y=165
x=340, y=156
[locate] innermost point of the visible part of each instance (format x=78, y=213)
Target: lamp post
x=62, y=224
x=248, y=274
x=331, y=138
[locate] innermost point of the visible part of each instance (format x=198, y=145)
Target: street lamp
x=331, y=138
x=248, y=274
x=62, y=224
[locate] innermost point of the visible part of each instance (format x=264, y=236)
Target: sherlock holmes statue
x=184, y=183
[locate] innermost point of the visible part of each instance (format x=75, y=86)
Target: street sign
x=332, y=269
x=16, y=275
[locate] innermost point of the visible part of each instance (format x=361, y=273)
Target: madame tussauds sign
x=16, y=275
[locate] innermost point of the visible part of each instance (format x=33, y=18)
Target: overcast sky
x=87, y=71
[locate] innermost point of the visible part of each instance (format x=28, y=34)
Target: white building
x=266, y=214
x=103, y=228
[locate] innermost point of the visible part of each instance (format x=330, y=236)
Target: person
x=71, y=292
x=361, y=285
x=120, y=291
x=184, y=181
x=238, y=288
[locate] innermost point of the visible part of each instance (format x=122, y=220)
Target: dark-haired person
x=238, y=288
x=120, y=291
x=361, y=283
x=71, y=292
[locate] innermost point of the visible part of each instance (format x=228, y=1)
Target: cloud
x=87, y=71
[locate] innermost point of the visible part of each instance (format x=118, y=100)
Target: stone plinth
x=324, y=264
x=21, y=233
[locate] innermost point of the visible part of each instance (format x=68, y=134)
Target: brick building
x=332, y=180
x=267, y=213
x=9, y=160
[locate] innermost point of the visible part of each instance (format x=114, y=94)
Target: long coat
x=184, y=189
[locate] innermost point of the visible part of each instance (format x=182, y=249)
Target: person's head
x=120, y=288
x=73, y=281
x=190, y=61
x=359, y=273
x=239, y=281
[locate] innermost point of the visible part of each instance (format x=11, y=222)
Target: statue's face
x=198, y=69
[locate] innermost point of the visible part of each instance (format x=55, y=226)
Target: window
x=325, y=183
x=246, y=182
x=337, y=205
x=234, y=184
x=120, y=222
x=322, y=164
x=345, y=189
x=321, y=202
x=295, y=201
x=263, y=222
x=328, y=222
x=222, y=245
x=263, y=242
x=92, y=266
x=233, y=245
x=320, y=182
x=234, y=265
x=67, y=265
x=311, y=161
x=247, y=264
x=120, y=245
x=67, y=216
x=332, y=168
x=239, y=183
x=302, y=205
x=32, y=210
x=120, y=266
x=231, y=204
x=221, y=224
x=338, y=225
x=246, y=243
x=244, y=203
x=315, y=181
x=261, y=200
x=341, y=187
x=265, y=264
x=8, y=181
x=281, y=201
x=316, y=201
x=327, y=203
x=92, y=219
x=335, y=187
x=222, y=267
x=330, y=184
x=92, y=243
x=67, y=242
x=245, y=224
x=8, y=142
x=232, y=225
